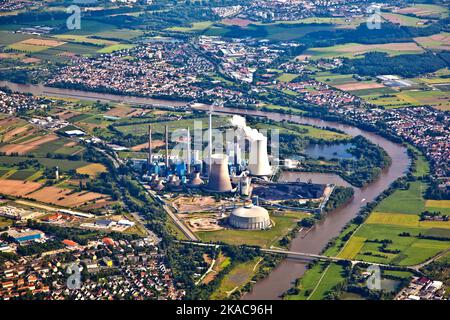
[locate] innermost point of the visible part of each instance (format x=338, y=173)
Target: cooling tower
x=219, y=179
x=258, y=163
x=195, y=180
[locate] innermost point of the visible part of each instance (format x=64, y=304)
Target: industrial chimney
x=149, y=162
x=188, y=160
x=167, y=149
x=258, y=159
x=219, y=179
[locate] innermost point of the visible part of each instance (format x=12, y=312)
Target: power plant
x=199, y=176
x=223, y=172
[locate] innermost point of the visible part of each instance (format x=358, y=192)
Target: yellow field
x=437, y=204
x=407, y=220
x=435, y=224
x=400, y=219
x=352, y=248
x=92, y=169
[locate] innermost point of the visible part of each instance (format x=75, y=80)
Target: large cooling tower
x=219, y=179
x=258, y=162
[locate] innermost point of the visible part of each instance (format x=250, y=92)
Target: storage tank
x=250, y=217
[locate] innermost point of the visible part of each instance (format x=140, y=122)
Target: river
x=313, y=241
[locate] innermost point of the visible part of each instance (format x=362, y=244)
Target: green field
x=403, y=20
x=397, y=214
x=116, y=47
x=275, y=31
x=318, y=281
x=354, y=50
x=195, y=27
x=240, y=275
x=287, y=77
x=306, y=131
x=428, y=10
x=64, y=165
x=158, y=127
x=22, y=175
x=405, y=201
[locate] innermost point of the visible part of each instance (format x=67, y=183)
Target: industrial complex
x=224, y=190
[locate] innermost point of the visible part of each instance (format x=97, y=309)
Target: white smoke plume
x=241, y=124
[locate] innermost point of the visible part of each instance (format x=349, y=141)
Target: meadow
x=318, y=281
x=353, y=50
x=239, y=275
x=158, y=127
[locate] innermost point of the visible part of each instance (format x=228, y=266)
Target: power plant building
x=250, y=217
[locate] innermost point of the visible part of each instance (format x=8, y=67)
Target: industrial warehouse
x=222, y=190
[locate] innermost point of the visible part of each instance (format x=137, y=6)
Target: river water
x=313, y=241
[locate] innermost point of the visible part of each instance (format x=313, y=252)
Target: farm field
x=158, y=127
x=440, y=41
x=338, y=23
x=64, y=197
x=276, y=31
x=63, y=164
x=195, y=27
x=437, y=99
x=19, y=138
x=396, y=220
x=35, y=45
x=92, y=169
x=405, y=201
x=353, y=50
x=50, y=195
x=404, y=20
x=425, y=10
x=116, y=47
x=27, y=146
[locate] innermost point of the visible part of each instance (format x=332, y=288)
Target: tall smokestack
x=258, y=159
x=219, y=178
x=236, y=151
x=210, y=143
x=167, y=148
x=149, y=146
x=188, y=161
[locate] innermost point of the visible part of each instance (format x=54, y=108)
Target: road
x=183, y=228
x=312, y=257
x=186, y=231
